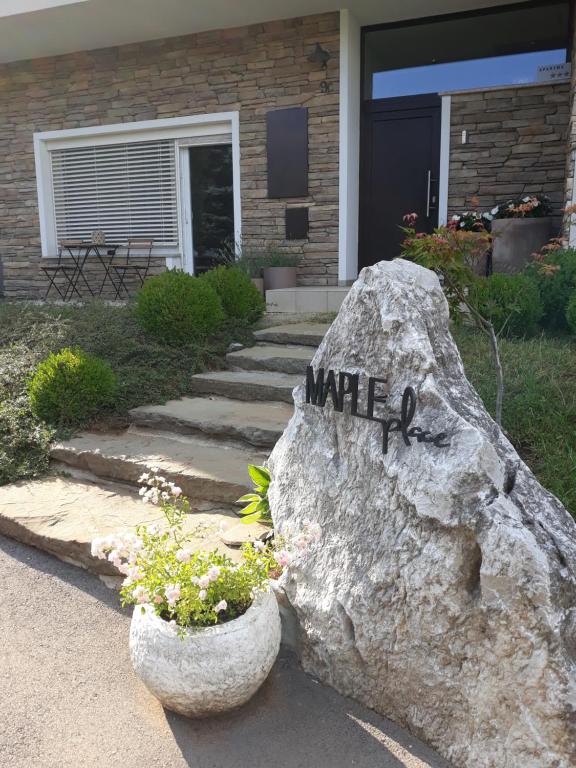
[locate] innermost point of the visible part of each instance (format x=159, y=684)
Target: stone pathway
x=202, y=443
x=71, y=700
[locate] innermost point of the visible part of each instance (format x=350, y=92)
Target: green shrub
x=511, y=302
x=240, y=298
x=571, y=313
x=71, y=386
x=24, y=443
x=555, y=277
x=179, y=308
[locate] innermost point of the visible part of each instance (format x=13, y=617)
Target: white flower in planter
x=192, y=605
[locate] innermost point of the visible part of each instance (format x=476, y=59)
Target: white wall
x=349, y=146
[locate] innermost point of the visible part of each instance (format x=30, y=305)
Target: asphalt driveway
x=69, y=697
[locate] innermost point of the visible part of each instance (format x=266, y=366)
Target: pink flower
x=204, y=581
x=176, y=491
x=184, y=555
x=213, y=573
x=158, y=599
x=140, y=594
x=283, y=558
x=202, y=594
x=172, y=593
x=222, y=605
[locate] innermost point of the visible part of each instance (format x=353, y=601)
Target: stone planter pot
x=279, y=277
x=515, y=240
x=259, y=283
x=213, y=669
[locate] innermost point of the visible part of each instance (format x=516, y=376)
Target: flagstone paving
x=71, y=700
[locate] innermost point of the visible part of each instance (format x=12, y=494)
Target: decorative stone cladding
x=516, y=144
x=570, y=197
x=251, y=69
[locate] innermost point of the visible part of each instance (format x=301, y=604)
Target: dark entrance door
x=400, y=166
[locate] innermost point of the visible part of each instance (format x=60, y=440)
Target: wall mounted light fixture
x=321, y=56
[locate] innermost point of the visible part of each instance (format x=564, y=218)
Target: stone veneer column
x=571, y=146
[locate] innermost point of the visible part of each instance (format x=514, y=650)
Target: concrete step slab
x=259, y=424
x=247, y=385
x=308, y=334
x=204, y=469
x=63, y=515
x=283, y=358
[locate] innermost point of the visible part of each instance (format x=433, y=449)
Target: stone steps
x=289, y=358
x=61, y=515
x=247, y=385
x=204, y=444
x=204, y=468
x=306, y=334
x=259, y=424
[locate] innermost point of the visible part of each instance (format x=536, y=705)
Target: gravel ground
x=69, y=698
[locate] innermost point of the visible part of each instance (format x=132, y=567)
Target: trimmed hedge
x=70, y=387
x=555, y=277
x=571, y=313
x=240, y=298
x=178, y=308
x=511, y=302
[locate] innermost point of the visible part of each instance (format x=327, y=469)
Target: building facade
x=212, y=139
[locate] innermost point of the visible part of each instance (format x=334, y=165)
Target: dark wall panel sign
x=297, y=220
x=287, y=151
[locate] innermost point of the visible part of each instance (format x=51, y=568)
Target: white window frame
x=217, y=128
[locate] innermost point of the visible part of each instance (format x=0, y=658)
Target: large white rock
x=444, y=592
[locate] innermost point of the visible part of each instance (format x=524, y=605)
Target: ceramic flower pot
x=213, y=669
x=279, y=277
x=515, y=240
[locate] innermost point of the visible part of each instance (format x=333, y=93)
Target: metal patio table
x=87, y=250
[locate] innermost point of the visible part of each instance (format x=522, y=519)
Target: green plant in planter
x=525, y=207
x=186, y=586
x=257, y=505
x=70, y=387
x=164, y=568
x=282, y=259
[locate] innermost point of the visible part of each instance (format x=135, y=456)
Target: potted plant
x=252, y=263
x=205, y=630
x=280, y=270
x=519, y=229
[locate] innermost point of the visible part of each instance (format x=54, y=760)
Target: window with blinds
x=125, y=190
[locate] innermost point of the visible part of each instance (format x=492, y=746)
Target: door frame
x=185, y=212
x=401, y=104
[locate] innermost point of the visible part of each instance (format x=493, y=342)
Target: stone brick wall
x=516, y=145
x=251, y=69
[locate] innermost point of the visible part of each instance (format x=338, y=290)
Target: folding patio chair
x=64, y=265
x=141, y=249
